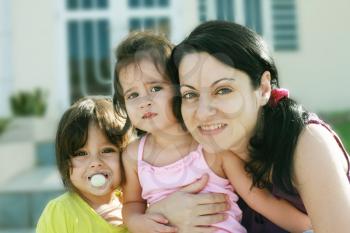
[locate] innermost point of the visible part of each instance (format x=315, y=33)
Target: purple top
x=256, y=223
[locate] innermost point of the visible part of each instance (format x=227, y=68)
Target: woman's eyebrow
x=223, y=79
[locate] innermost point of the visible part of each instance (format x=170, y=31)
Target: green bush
x=3, y=124
x=340, y=122
x=25, y=103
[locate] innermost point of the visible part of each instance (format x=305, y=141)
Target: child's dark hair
x=135, y=48
x=73, y=127
x=272, y=147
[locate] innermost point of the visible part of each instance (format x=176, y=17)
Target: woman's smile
x=212, y=129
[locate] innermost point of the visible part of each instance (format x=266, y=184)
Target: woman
x=229, y=99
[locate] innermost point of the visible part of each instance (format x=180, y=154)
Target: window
x=225, y=10
x=157, y=24
x=253, y=16
x=284, y=25
x=86, y=4
x=148, y=3
x=88, y=49
x=202, y=9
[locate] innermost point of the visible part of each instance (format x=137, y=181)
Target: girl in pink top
x=166, y=157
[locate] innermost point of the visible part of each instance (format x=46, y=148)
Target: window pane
x=87, y=4
x=202, y=9
x=89, y=65
x=134, y=24
x=87, y=39
x=149, y=3
x=163, y=3
x=253, y=15
x=86, y=62
x=229, y=10
x=150, y=23
x=72, y=4
x=134, y=3
x=102, y=4
x=220, y=9
x=285, y=31
x=73, y=59
x=164, y=26
x=103, y=33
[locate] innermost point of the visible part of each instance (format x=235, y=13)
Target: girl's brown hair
x=73, y=127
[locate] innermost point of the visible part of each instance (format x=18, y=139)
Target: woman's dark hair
x=272, y=146
x=72, y=132
x=135, y=48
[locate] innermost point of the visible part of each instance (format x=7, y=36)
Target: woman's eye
x=156, y=89
x=189, y=95
x=223, y=91
x=80, y=154
x=132, y=96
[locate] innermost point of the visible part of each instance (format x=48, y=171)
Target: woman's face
x=219, y=105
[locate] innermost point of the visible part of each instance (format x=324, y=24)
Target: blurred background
x=54, y=51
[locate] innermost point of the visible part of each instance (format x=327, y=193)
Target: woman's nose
x=205, y=109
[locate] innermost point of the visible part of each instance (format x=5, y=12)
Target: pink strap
x=140, y=149
x=337, y=139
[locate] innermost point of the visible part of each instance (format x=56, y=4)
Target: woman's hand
x=191, y=212
x=150, y=223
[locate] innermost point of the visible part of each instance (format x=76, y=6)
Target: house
x=65, y=47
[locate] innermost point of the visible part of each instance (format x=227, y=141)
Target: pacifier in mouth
x=98, y=180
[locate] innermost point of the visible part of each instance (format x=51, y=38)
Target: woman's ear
x=265, y=88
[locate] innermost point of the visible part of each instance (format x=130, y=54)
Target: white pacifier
x=98, y=180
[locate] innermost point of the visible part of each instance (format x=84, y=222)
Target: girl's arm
x=276, y=210
x=320, y=177
x=133, y=205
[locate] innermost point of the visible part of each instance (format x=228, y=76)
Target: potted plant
x=28, y=109
x=25, y=103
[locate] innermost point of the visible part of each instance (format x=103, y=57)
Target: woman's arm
x=320, y=177
x=133, y=205
x=276, y=210
x=191, y=212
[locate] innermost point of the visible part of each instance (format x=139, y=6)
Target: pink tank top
x=158, y=182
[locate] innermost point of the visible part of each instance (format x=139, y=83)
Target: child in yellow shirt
x=88, y=154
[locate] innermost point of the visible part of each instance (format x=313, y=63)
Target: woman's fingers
x=210, y=198
x=158, y=218
x=211, y=208
x=206, y=220
x=166, y=229
x=196, y=186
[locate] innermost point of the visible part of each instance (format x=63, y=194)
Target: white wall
x=317, y=74
x=34, y=48
x=5, y=57
x=185, y=19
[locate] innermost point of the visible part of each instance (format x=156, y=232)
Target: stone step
x=23, y=197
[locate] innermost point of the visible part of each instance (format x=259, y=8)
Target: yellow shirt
x=69, y=213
